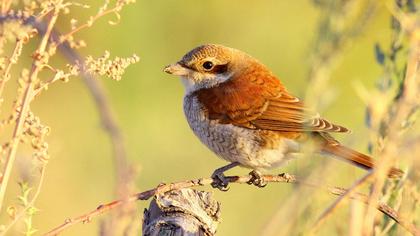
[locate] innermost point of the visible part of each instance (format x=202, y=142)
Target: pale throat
x=209, y=81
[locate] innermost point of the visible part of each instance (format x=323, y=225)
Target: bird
x=244, y=114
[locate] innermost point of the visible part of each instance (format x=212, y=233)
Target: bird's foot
x=257, y=179
x=219, y=181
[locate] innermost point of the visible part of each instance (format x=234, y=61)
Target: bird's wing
x=287, y=113
x=260, y=101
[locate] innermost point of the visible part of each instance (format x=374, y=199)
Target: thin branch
x=94, y=86
x=25, y=102
x=46, y=84
x=88, y=24
x=328, y=211
x=96, y=89
x=12, y=60
x=282, y=178
x=124, y=171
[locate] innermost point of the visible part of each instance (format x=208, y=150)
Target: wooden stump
x=184, y=212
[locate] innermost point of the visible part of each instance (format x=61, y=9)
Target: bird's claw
x=257, y=179
x=219, y=181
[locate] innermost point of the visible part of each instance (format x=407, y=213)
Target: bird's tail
x=357, y=158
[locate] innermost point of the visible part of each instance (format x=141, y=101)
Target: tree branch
x=282, y=178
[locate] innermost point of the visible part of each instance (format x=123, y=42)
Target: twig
x=66, y=36
x=12, y=60
x=108, y=120
x=94, y=86
x=282, y=178
x=328, y=211
x=124, y=171
x=24, y=106
x=97, y=90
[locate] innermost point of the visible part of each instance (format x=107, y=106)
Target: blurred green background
x=148, y=105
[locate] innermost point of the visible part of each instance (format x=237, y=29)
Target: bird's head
x=208, y=65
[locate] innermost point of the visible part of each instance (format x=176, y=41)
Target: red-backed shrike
x=240, y=110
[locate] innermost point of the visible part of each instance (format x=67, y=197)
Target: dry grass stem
x=389, y=115
x=39, y=58
x=329, y=210
x=400, y=110
x=21, y=26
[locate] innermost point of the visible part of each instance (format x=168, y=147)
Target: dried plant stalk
x=398, y=112
x=20, y=26
x=40, y=58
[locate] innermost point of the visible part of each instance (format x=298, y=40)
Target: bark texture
x=184, y=212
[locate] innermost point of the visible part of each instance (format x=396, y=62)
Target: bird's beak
x=176, y=69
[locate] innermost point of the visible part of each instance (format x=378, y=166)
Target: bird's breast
x=232, y=143
x=226, y=140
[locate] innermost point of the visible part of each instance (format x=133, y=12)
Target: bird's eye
x=208, y=65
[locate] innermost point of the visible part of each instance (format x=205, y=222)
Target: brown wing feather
x=257, y=99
